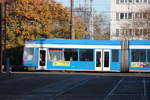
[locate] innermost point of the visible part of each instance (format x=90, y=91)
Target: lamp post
x=3, y=4
x=3, y=30
x=2, y=17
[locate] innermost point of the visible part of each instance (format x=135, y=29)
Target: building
x=130, y=19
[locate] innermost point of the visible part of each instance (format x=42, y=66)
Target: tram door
x=42, y=59
x=102, y=60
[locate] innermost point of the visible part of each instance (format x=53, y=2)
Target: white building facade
x=130, y=19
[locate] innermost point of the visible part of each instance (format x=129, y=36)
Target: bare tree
x=101, y=27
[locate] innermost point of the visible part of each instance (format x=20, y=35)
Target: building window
x=126, y=15
x=141, y=31
x=130, y=1
x=117, y=32
x=86, y=54
x=117, y=1
x=148, y=31
x=136, y=32
x=115, y=55
x=145, y=1
x=137, y=1
x=121, y=1
x=130, y=15
x=137, y=15
x=141, y=15
x=130, y=32
x=145, y=32
x=117, y=16
x=121, y=15
x=123, y=31
x=145, y=15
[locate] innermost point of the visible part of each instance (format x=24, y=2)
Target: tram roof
x=86, y=42
x=74, y=42
x=139, y=42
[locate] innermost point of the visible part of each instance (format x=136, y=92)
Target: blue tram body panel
x=139, y=42
x=76, y=55
x=95, y=45
x=74, y=65
x=116, y=66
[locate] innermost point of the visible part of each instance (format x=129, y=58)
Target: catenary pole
x=72, y=34
x=2, y=5
x=91, y=20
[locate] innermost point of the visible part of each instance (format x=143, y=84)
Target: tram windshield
x=28, y=54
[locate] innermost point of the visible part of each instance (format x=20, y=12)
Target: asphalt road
x=75, y=86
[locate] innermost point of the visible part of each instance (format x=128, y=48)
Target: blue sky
x=102, y=6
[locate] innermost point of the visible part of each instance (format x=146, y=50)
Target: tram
x=87, y=55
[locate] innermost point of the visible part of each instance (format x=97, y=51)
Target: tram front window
x=28, y=54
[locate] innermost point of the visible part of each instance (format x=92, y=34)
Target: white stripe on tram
x=73, y=46
x=139, y=46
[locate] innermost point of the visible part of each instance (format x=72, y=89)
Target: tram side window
x=135, y=56
x=148, y=55
x=71, y=54
x=115, y=55
x=138, y=55
x=86, y=54
x=56, y=55
x=28, y=53
x=143, y=56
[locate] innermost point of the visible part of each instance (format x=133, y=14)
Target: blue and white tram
x=87, y=55
x=139, y=55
